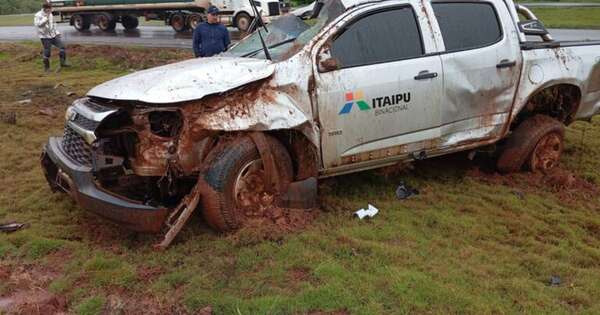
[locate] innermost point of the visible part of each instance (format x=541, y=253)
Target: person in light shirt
x=49, y=35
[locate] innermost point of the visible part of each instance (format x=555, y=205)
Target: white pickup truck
x=363, y=84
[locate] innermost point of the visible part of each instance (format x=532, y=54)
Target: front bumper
x=77, y=180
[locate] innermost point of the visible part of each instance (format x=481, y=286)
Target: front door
x=384, y=92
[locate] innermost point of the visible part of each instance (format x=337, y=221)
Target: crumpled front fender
x=278, y=111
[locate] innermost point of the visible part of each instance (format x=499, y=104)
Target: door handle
x=505, y=63
x=425, y=74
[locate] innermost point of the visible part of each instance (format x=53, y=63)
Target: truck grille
x=274, y=8
x=85, y=123
x=76, y=147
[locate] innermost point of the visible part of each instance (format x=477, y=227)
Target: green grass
x=91, y=306
x=569, y=17
x=464, y=245
x=16, y=20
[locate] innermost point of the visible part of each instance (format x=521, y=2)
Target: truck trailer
x=182, y=15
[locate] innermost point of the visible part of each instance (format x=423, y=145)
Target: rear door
x=385, y=91
x=482, y=63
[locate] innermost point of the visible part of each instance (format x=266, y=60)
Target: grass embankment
x=585, y=18
x=552, y=18
x=470, y=243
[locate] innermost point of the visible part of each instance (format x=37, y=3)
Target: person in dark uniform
x=210, y=37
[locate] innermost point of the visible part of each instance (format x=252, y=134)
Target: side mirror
x=328, y=64
x=533, y=27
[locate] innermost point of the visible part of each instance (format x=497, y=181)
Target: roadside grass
x=464, y=245
x=16, y=20
x=584, y=18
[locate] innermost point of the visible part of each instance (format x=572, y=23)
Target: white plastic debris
x=370, y=212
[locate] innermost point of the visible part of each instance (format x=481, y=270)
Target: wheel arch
x=304, y=154
x=557, y=99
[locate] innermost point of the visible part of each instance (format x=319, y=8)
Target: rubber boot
x=46, y=65
x=63, y=60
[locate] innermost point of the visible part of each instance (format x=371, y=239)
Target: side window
x=467, y=25
x=379, y=37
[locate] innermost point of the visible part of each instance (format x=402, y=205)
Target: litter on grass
x=370, y=212
x=404, y=191
x=11, y=227
x=555, y=281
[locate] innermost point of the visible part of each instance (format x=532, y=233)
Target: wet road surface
x=149, y=36
x=164, y=36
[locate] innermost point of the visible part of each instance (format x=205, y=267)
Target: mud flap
x=300, y=195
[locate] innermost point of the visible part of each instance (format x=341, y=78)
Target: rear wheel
x=194, y=20
x=242, y=21
x=178, y=22
x=537, y=143
x=106, y=22
x=236, y=180
x=81, y=22
x=130, y=22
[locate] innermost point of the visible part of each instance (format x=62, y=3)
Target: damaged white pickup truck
x=359, y=85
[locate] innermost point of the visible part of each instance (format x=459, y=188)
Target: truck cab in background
x=182, y=15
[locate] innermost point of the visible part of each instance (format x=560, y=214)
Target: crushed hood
x=185, y=81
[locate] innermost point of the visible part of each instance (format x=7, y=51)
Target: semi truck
x=182, y=15
x=362, y=84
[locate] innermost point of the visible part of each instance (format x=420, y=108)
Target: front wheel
x=236, y=182
x=536, y=143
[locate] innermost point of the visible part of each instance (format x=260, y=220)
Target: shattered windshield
x=287, y=34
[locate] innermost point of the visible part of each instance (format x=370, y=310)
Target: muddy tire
x=178, y=22
x=81, y=22
x=242, y=21
x=106, y=22
x=130, y=22
x=536, y=143
x=234, y=178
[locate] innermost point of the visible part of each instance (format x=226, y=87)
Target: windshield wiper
x=254, y=52
x=259, y=17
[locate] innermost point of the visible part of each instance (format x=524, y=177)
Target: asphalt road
x=149, y=36
x=164, y=36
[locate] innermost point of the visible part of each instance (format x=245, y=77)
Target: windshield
x=287, y=34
